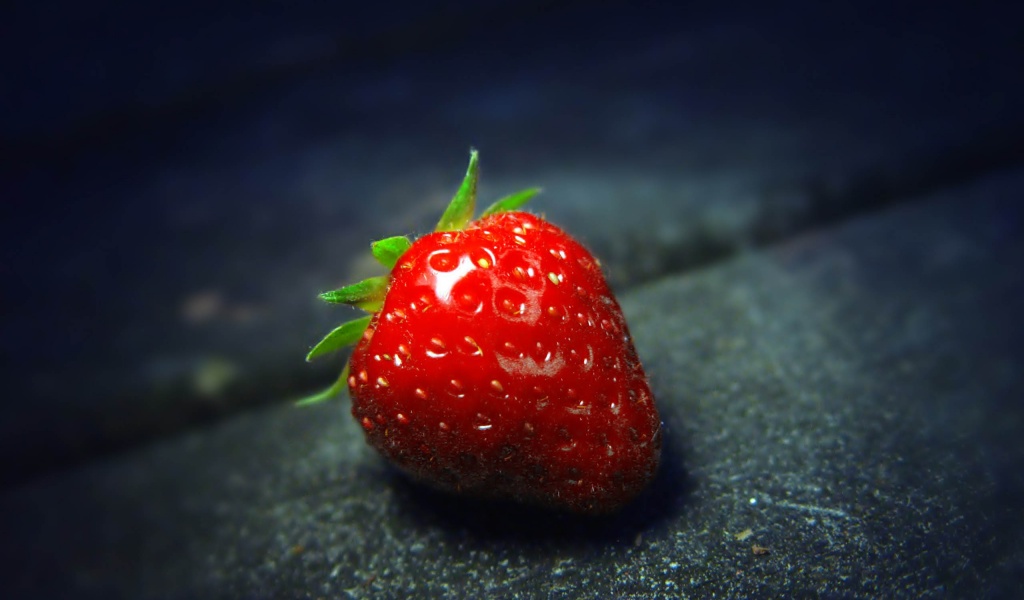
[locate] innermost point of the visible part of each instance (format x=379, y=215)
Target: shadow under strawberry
x=489, y=519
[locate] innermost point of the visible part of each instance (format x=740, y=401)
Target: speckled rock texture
x=842, y=419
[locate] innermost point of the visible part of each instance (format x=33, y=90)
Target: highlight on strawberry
x=496, y=362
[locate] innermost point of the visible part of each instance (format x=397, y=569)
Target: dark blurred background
x=179, y=179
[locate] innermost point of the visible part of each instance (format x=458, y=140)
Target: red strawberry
x=497, y=363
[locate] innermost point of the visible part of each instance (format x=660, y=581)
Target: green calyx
x=369, y=294
x=460, y=210
x=389, y=250
x=343, y=335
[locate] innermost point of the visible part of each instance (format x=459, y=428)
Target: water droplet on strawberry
x=436, y=348
x=469, y=347
x=482, y=422
x=443, y=261
x=468, y=300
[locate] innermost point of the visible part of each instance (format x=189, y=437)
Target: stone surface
x=163, y=233
x=848, y=401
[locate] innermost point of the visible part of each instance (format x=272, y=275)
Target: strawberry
x=496, y=362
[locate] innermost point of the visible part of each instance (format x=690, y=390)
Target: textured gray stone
x=849, y=400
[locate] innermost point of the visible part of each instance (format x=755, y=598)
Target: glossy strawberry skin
x=500, y=365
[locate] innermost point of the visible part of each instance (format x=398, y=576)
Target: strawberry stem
x=511, y=202
x=343, y=335
x=389, y=250
x=460, y=209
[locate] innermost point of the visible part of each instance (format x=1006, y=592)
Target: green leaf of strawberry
x=368, y=294
x=341, y=336
x=497, y=362
x=388, y=250
x=460, y=210
x=511, y=202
